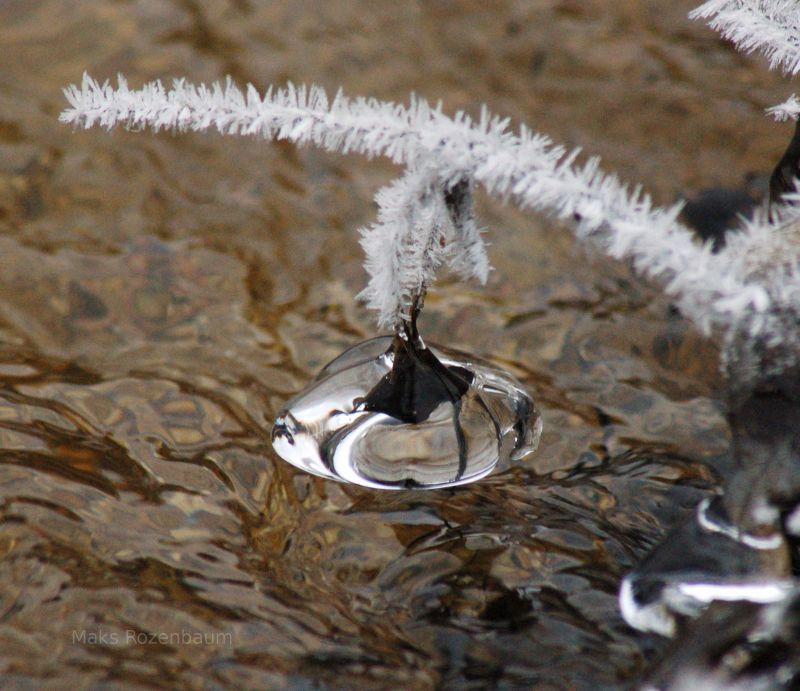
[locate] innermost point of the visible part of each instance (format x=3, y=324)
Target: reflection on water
x=162, y=297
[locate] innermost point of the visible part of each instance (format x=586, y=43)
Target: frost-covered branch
x=425, y=218
x=788, y=110
x=769, y=26
x=419, y=228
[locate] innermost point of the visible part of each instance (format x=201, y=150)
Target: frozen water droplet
x=331, y=429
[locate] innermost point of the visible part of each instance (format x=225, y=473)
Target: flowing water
x=162, y=297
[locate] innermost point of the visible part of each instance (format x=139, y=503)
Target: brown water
x=162, y=296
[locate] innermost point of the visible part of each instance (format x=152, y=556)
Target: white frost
x=769, y=26
x=416, y=232
x=788, y=110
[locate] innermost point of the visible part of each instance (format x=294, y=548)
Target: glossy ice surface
x=324, y=430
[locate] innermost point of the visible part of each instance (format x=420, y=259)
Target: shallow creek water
x=161, y=297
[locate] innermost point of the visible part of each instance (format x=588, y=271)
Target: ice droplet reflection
x=327, y=429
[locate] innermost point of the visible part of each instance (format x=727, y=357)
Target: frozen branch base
x=348, y=424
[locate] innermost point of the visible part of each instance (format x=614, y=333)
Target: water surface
x=161, y=297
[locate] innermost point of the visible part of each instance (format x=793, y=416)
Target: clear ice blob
x=338, y=427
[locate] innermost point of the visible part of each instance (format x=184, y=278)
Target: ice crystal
x=769, y=26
